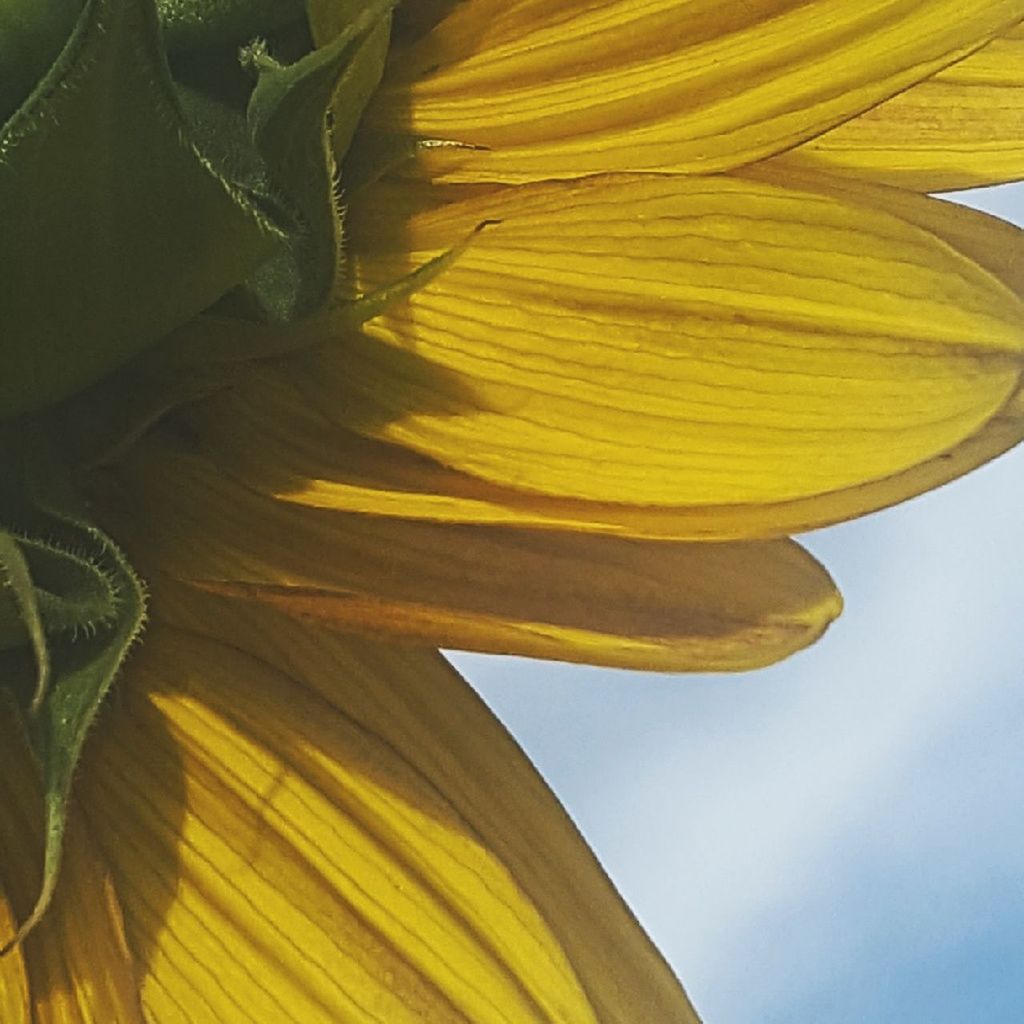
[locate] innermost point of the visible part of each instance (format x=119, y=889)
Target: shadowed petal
x=562, y=88
x=549, y=594
x=15, y=1007
x=270, y=434
x=309, y=830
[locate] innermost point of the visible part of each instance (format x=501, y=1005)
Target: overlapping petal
x=14, y=985
x=279, y=824
x=501, y=589
x=274, y=824
x=304, y=829
x=268, y=434
x=559, y=88
x=962, y=128
x=684, y=341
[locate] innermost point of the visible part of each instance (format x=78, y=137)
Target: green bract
x=135, y=193
x=157, y=158
x=82, y=607
x=115, y=227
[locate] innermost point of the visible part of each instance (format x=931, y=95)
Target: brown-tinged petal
x=552, y=594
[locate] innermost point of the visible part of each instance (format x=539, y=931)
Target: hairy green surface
x=82, y=606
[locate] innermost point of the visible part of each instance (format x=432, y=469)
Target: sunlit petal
x=963, y=128
x=560, y=88
x=271, y=436
x=15, y=1007
x=317, y=831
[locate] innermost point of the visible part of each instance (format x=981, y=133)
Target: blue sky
x=839, y=839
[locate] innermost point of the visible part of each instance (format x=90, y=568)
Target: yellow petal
x=276, y=431
x=314, y=831
x=15, y=1007
x=680, y=341
x=269, y=435
x=79, y=970
x=963, y=128
x=560, y=88
x=598, y=600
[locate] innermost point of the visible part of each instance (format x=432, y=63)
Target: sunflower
x=357, y=330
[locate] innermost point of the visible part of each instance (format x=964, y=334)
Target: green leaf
x=115, y=227
x=84, y=666
x=287, y=119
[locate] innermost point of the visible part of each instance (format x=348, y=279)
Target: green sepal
x=115, y=227
x=331, y=23
x=71, y=593
x=21, y=618
x=83, y=667
x=288, y=124
x=221, y=346
x=211, y=354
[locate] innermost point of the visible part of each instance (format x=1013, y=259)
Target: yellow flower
x=691, y=309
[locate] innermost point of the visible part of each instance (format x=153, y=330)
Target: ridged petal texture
x=962, y=128
x=298, y=829
x=276, y=822
x=498, y=588
x=268, y=435
x=559, y=88
x=291, y=432
x=672, y=341
x=286, y=436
